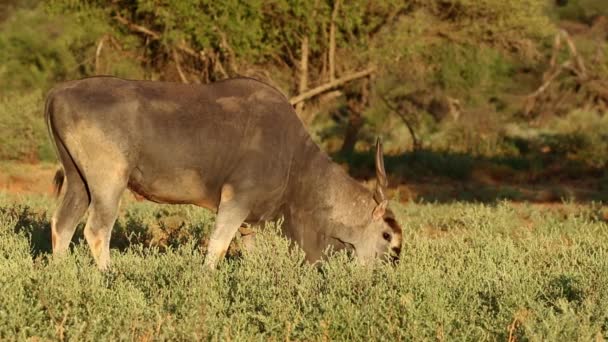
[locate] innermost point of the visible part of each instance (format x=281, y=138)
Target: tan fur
x=227, y=193
x=235, y=146
x=230, y=103
x=54, y=239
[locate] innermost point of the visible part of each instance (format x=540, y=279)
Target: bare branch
x=217, y=64
x=403, y=117
x=113, y=42
x=582, y=70
x=548, y=78
x=98, y=53
x=330, y=85
x=178, y=67
x=599, y=88
x=332, y=41
x=137, y=28
x=183, y=47
x=229, y=51
x=557, y=45
x=303, y=84
x=590, y=87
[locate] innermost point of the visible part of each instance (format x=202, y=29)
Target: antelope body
x=235, y=146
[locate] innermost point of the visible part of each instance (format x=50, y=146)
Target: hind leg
x=106, y=181
x=102, y=216
x=106, y=178
x=99, y=150
x=72, y=206
x=70, y=211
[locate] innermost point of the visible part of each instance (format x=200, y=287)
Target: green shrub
x=582, y=9
x=38, y=48
x=467, y=272
x=23, y=132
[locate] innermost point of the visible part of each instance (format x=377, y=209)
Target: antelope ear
x=379, y=210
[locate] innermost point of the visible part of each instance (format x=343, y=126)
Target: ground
x=486, y=184
x=502, y=270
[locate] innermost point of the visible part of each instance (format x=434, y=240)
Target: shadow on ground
x=161, y=229
x=437, y=176
x=37, y=227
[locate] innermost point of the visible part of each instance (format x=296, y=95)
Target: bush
x=23, y=131
x=38, y=48
x=583, y=137
x=582, y=9
x=468, y=271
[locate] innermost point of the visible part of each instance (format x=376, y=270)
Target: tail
x=58, y=181
x=59, y=175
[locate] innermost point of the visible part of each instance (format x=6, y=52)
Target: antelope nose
x=395, y=255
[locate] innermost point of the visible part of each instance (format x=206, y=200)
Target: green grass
x=468, y=272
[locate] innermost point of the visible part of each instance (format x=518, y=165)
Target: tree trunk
x=356, y=105
x=355, y=122
x=303, y=83
x=332, y=41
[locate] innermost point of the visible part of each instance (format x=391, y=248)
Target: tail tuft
x=58, y=181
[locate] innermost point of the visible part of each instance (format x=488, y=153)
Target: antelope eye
x=386, y=236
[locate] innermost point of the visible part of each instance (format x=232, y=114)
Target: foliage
x=471, y=51
x=259, y=32
x=23, y=134
x=7, y=7
x=37, y=50
x=41, y=44
x=467, y=272
x=580, y=136
x=582, y=9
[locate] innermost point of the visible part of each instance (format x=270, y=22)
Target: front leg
x=230, y=215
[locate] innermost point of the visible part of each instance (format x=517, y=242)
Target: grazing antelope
x=235, y=146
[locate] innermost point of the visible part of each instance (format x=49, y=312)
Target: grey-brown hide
x=235, y=146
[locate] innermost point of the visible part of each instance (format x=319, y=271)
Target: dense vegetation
x=472, y=272
x=468, y=95
x=448, y=75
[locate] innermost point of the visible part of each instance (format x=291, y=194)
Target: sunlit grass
x=468, y=271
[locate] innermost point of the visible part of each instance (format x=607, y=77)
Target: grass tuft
x=468, y=271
